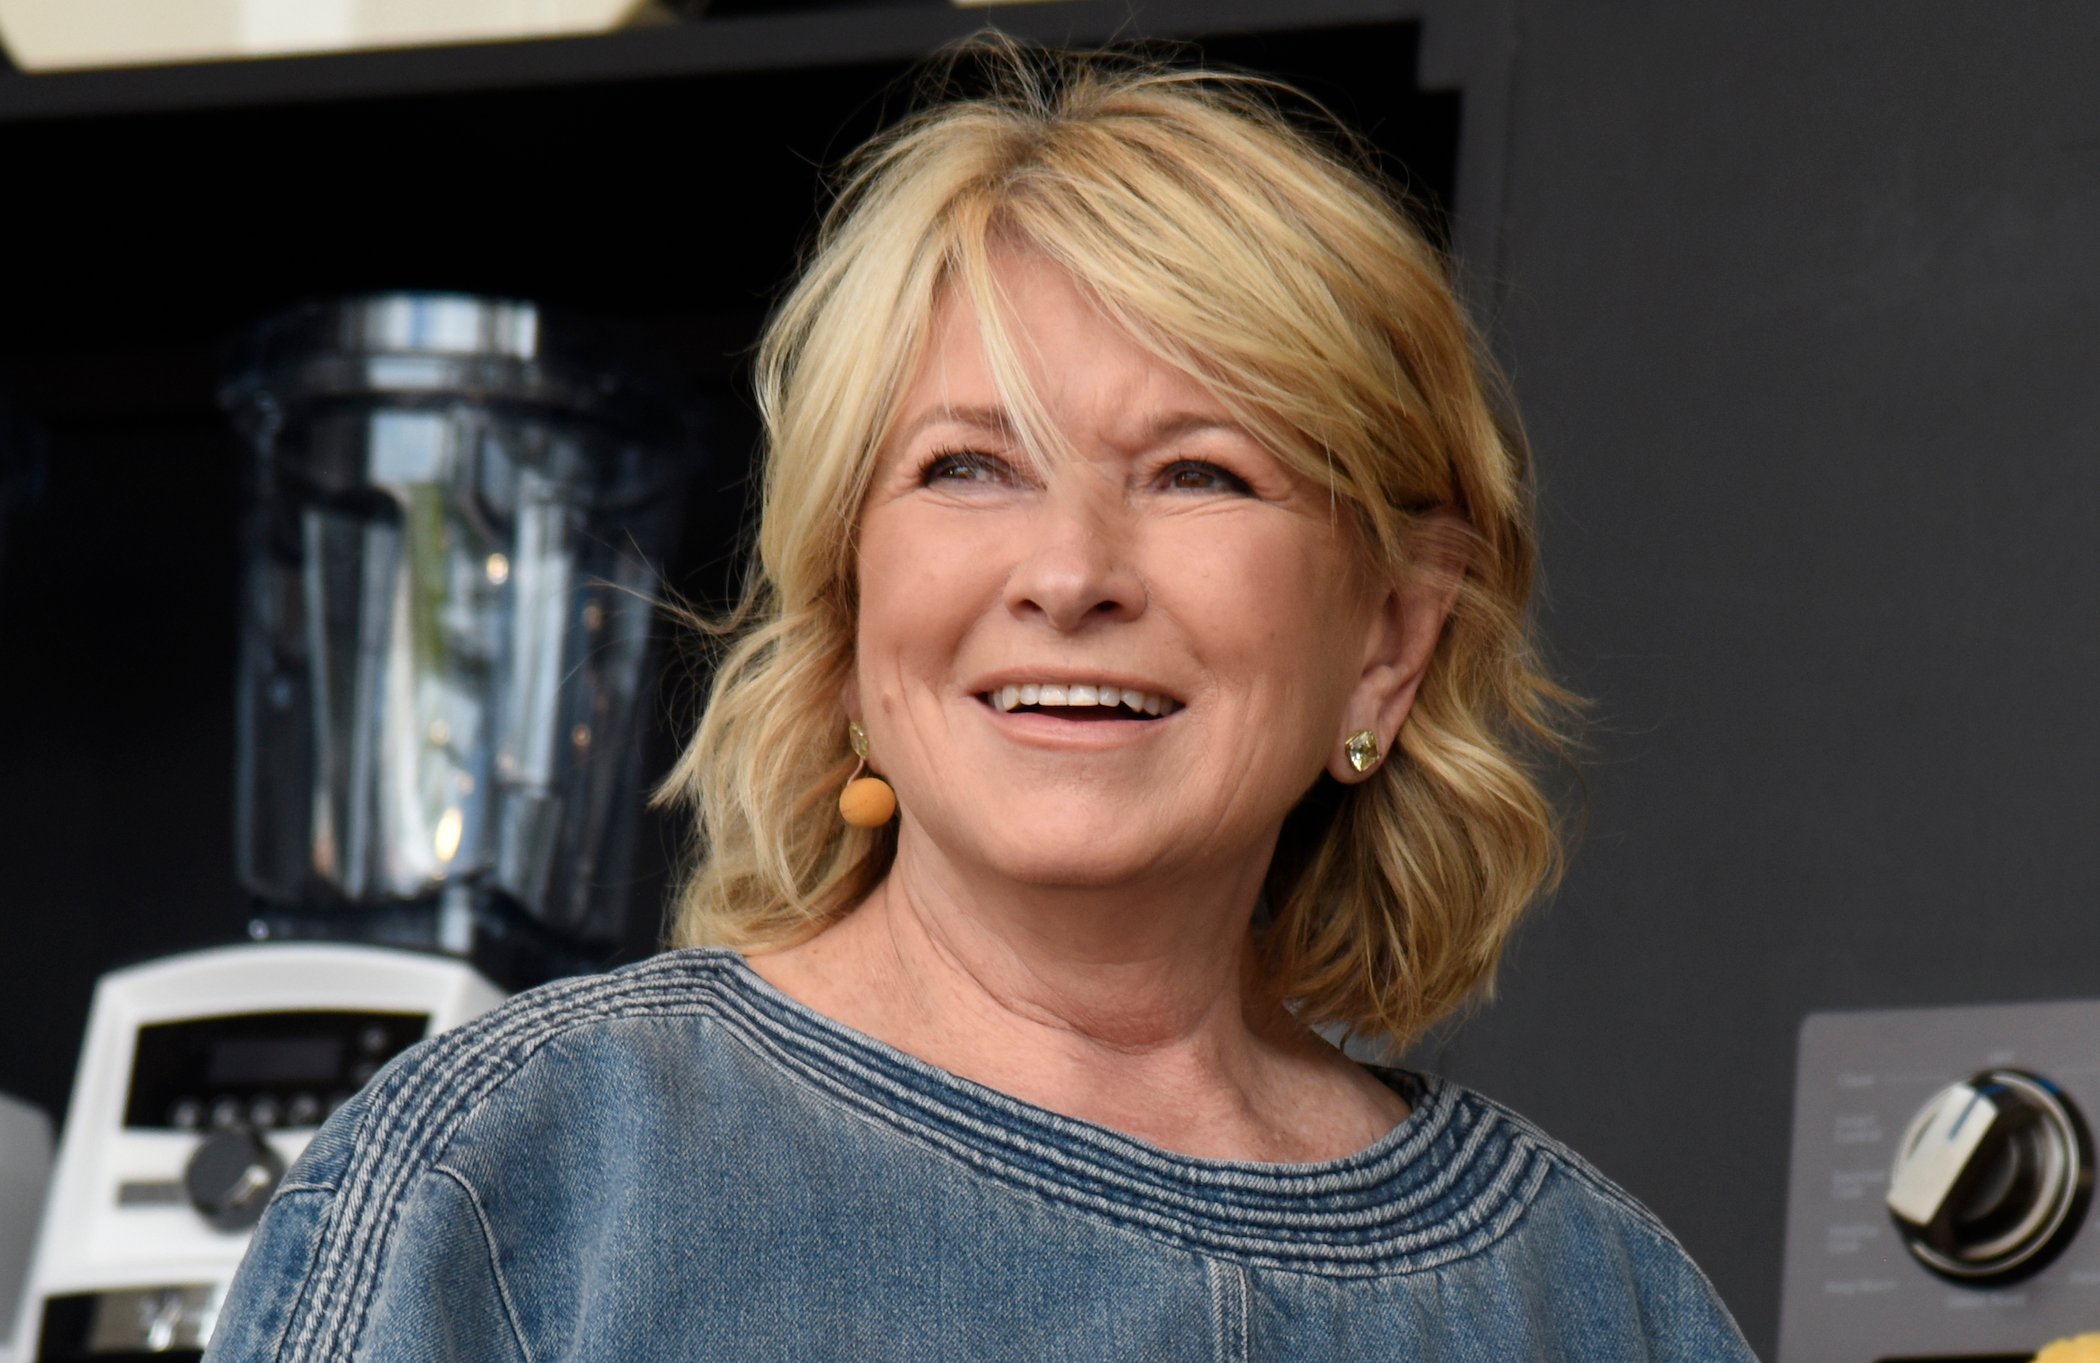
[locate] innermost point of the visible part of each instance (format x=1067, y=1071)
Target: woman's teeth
x=1111, y=697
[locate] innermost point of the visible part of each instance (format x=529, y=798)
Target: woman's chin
x=1069, y=849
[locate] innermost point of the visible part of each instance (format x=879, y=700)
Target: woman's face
x=1174, y=565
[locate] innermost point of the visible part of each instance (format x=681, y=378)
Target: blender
x=447, y=625
x=445, y=639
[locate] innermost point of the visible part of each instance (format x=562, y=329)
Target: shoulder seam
x=1583, y=1172
x=1642, y=1220
x=1563, y=1159
x=306, y=1279
x=419, y=1105
x=488, y=1239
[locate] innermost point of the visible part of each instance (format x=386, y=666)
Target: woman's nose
x=1076, y=568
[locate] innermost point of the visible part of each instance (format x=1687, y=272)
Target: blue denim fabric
x=679, y=1162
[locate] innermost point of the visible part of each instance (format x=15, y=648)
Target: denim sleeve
x=1612, y=1281
x=438, y=1293
x=441, y=1295
x=1689, y=1324
x=278, y=1268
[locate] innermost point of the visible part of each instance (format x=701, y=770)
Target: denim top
x=677, y=1161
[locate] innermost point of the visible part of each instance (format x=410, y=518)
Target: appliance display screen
x=274, y=1060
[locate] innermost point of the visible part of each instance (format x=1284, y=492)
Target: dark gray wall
x=1803, y=304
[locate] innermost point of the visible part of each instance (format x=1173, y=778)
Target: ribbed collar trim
x=1451, y=1179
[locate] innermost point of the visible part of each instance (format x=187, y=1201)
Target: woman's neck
x=1136, y=1008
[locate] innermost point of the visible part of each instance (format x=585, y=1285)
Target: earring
x=867, y=801
x=1362, y=749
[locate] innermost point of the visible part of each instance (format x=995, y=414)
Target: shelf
x=884, y=31
x=664, y=175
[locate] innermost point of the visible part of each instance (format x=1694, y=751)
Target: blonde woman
x=1143, y=557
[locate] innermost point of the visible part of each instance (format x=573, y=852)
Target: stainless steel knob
x=1992, y=1178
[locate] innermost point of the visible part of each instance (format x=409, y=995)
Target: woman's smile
x=1076, y=716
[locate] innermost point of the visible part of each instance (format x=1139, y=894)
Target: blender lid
x=455, y=346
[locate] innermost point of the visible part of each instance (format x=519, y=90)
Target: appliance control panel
x=1939, y=1203
x=269, y=1070
x=202, y=1079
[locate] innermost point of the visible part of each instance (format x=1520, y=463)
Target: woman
x=1136, y=510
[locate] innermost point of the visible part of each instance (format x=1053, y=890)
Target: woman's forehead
x=1070, y=359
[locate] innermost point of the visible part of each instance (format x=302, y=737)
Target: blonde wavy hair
x=1271, y=261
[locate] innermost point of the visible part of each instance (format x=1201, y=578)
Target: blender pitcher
x=446, y=626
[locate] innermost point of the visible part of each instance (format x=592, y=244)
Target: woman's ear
x=1405, y=627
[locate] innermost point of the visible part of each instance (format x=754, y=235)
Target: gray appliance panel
x=1851, y=1292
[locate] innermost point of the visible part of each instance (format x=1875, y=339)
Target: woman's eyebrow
x=1177, y=424
x=990, y=420
x=995, y=421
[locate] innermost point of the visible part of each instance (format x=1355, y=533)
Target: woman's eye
x=966, y=466
x=1195, y=475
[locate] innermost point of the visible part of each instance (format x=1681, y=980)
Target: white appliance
x=202, y=1079
x=1940, y=1201
x=25, y=1174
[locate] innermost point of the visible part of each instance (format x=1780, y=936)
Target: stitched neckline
x=1442, y=1184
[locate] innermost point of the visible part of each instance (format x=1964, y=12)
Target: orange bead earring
x=867, y=801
